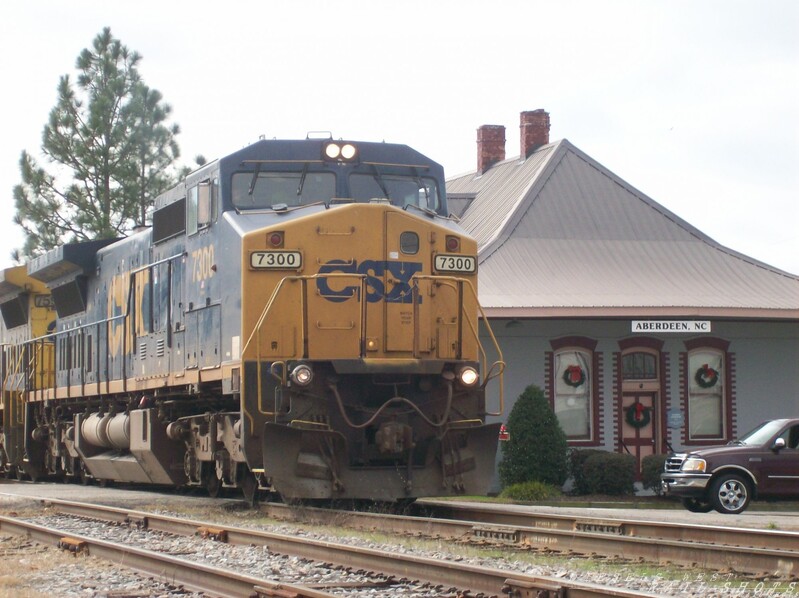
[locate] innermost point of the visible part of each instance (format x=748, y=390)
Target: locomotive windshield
x=267, y=189
x=262, y=190
x=399, y=190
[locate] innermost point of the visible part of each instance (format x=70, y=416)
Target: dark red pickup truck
x=762, y=464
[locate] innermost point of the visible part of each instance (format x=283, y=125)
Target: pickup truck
x=763, y=463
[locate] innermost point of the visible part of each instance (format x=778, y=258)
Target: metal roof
x=561, y=235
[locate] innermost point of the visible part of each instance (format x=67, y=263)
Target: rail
x=433, y=570
x=746, y=551
x=198, y=577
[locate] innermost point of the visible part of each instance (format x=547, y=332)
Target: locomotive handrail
x=275, y=293
x=53, y=336
x=500, y=362
x=13, y=371
x=80, y=329
x=496, y=370
x=262, y=318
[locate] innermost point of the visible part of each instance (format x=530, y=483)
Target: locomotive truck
x=301, y=317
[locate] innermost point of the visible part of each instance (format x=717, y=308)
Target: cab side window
x=201, y=205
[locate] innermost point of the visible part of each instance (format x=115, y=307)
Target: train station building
x=646, y=334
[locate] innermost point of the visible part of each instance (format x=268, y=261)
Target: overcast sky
x=696, y=104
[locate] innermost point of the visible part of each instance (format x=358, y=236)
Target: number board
x=276, y=260
x=445, y=262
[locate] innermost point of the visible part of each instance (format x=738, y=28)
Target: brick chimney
x=490, y=146
x=533, y=130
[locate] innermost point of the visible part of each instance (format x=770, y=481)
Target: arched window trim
x=721, y=346
x=641, y=342
x=575, y=342
x=585, y=345
x=646, y=351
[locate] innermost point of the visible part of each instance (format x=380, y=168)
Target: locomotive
x=301, y=318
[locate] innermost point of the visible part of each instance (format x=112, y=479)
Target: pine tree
x=111, y=149
x=537, y=449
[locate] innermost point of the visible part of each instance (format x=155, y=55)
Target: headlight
x=302, y=375
x=693, y=464
x=346, y=152
x=468, y=376
x=332, y=151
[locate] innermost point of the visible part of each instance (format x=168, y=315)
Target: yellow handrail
x=499, y=364
x=496, y=370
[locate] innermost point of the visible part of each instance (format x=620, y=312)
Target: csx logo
x=401, y=273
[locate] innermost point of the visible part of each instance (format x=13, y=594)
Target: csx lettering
x=202, y=263
x=374, y=271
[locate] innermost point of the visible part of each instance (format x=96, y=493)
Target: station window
x=706, y=404
x=639, y=366
x=573, y=403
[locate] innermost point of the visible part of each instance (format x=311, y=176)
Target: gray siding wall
x=765, y=353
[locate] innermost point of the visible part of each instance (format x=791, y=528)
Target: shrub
x=531, y=491
x=537, y=449
x=577, y=459
x=651, y=468
x=610, y=473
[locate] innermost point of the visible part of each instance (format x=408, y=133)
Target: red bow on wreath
x=575, y=373
x=706, y=376
x=638, y=415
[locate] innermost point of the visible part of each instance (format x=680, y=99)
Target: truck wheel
x=696, y=505
x=730, y=494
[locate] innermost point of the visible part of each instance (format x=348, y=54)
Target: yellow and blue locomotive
x=301, y=316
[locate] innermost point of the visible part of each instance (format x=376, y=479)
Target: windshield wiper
x=302, y=179
x=422, y=186
x=380, y=182
x=254, y=178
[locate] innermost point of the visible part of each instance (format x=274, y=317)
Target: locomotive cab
x=361, y=369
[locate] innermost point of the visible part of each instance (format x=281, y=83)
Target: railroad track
x=193, y=576
x=389, y=568
x=758, y=552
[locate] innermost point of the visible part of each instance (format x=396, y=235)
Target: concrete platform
x=783, y=516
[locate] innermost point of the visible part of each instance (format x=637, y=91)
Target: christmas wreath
x=574, y=376
x=706, y=376
x=638, y=415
